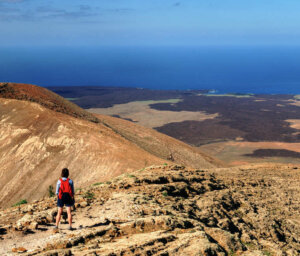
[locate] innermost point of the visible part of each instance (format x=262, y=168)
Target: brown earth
x=168, y=210
x=235, y=152
x=37, y=140
x=269, y=152
x=200, y=133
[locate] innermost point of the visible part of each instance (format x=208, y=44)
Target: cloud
x=5, y=9
x=44, y=12
x=74, y=13
x=10, y=17
x=85, y=7
x=48, y=9
x=8, y=9
x=120, y=10
x=36, y=13
x=12, y=1
x=70, y=15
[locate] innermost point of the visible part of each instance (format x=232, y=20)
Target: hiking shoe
x=70, y=228
x=55, y=230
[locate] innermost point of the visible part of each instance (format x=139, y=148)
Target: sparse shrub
x=165, y=164
x=98, y=183
x=231, y=253
x=51, y=191
x=23, y=201
x=267, y=253
x=165, y=193
x=248, y=245
x=108, y=182
x=89, y=195
x=131, y=176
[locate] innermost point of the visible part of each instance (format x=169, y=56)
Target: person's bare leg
x=58, y=216
x=69, y=216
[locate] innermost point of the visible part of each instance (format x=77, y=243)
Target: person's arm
x=72, y=187
x=57, y=187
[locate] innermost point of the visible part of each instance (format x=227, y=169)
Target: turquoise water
x=226, y=69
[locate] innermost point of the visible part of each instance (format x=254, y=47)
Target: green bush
x=267, y=253
x=165, y=193
x=89, y=195
x=98, y=183
x=23, y=201
x=231, y=253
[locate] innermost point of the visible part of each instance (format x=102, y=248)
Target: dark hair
x=65, y=173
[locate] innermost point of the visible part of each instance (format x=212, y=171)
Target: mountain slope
x=37, y=140
x=36, y=143
x=159, y=144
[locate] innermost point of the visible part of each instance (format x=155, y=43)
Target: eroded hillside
x=36, y=142
x=168, y=210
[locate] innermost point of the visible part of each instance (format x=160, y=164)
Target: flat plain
x=236, y=128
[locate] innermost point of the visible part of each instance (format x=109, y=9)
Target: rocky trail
x=168, y=210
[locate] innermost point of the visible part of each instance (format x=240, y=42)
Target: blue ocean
x=227, y=69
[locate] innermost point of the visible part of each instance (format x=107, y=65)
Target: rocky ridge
x=45, y=98
x=168, y=210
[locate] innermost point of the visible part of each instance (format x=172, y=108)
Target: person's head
x=65, y=173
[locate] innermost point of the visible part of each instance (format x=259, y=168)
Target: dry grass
x=140, y=112
x=295, y=102
x=228, y=95
x=297, y=97
x=294, y=123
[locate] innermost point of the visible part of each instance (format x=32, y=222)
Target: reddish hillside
x=45, y=98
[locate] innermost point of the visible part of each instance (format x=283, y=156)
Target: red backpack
x=65, y=188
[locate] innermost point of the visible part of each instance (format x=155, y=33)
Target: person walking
x=65, y=196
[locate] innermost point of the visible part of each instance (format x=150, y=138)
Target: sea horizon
x=226, y=69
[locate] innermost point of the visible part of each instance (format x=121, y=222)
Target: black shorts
x=66, y=200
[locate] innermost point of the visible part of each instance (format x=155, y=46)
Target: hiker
x=65, y=196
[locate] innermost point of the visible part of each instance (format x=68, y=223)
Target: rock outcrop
x=168, y=210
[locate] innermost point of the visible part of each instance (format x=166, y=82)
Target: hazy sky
x=149, y=22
